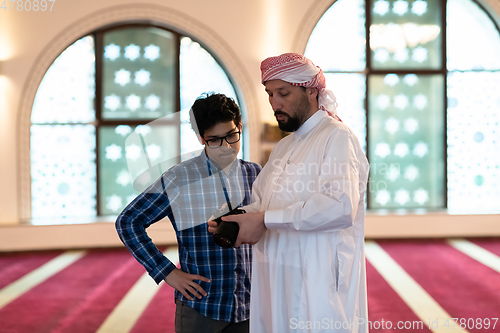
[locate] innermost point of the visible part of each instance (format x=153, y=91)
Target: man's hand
x=252, y=227
x=184, y=282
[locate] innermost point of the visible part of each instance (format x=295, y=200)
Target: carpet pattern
x=87, y=293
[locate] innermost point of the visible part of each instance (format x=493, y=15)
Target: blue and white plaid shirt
x=189, y=194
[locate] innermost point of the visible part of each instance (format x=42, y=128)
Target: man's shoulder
x=334, y=123
x=333, y=126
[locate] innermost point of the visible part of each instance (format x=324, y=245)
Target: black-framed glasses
x=230, y=138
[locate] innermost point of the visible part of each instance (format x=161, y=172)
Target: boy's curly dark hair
x=210, y=109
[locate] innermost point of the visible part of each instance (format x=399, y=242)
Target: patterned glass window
x=406, y=131
x=473, y=63
x=338, y=40
x=63, y=170
x=473, y=40
x=63, y=161
x=474, y=140
x=432, y=128
x=139, y=73
x=405, y=34
x=350, y=90
x=337, y=45
x=67, y=91
x=106, y=120
x=117, y=153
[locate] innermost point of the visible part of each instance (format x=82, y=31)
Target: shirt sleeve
x=333, y=206
x=149, y=207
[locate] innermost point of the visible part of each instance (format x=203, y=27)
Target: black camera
x=227, y=232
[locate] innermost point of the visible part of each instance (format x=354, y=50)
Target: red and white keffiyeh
x=297, y=70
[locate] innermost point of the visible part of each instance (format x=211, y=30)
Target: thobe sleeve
x=333, y=205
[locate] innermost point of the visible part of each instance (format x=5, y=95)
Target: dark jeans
x=188, y=320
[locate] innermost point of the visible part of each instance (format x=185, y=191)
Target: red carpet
x=491, y=245
x=80, y=297
x=77, y=299
x=385, y=305
x=462, y=286
x=158, y=317
x=15, y=266
x=117, y=274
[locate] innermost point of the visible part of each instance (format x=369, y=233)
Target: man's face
x=290, y=104
x=226, y=153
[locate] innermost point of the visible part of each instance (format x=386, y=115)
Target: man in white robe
x=307, y=215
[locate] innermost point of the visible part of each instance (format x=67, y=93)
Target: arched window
x=102, y=88
x=419, y=83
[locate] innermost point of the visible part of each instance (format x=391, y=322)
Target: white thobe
x=309, y=267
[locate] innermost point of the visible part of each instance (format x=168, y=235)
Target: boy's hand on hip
x=184, y=283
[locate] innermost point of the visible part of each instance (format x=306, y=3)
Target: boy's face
x=226, y=153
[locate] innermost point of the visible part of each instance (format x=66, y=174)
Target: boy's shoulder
x=250, y=165
x=191, y=168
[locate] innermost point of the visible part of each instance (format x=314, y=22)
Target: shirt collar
x=310, y=123
x=214, y=167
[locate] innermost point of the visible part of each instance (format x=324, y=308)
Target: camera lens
x=227, y=232
x=223, y=241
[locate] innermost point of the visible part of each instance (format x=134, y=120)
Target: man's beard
x=293, y=123
x=290, y=125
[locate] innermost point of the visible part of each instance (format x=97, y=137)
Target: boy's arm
x=148, y=208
